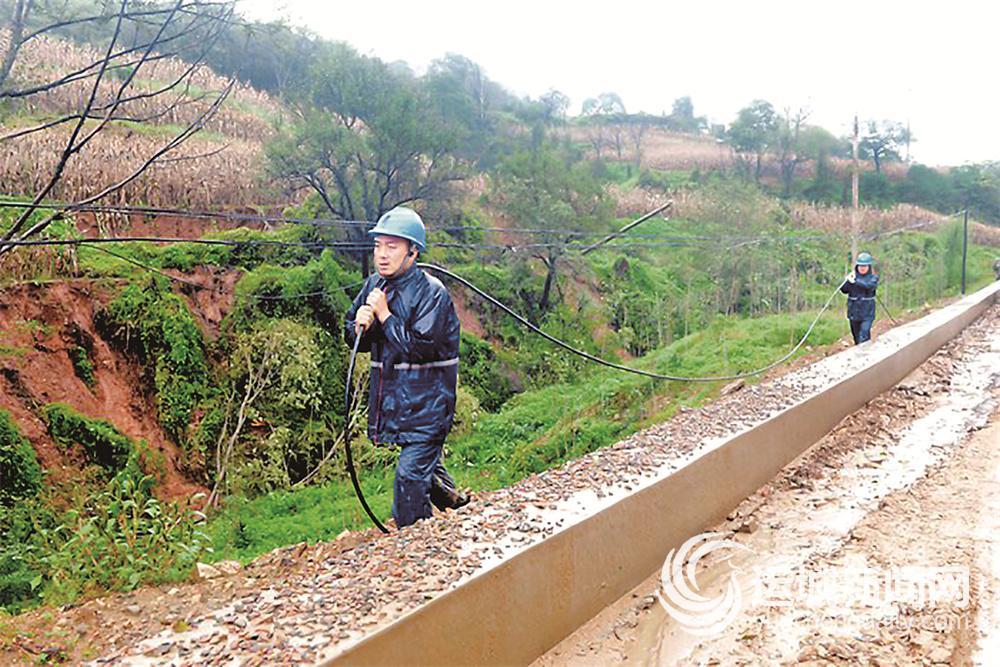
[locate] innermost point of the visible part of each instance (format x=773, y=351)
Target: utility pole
x=907, y=141
x=965, y=243
x=854, y=193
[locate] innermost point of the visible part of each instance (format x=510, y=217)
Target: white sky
x=932, y=64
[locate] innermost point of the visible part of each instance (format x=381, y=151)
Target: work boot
x=445, y=496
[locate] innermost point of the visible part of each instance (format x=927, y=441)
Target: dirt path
x=907, y=488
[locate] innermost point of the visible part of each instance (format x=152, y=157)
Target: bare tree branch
x=199, y=156
x=125, y=84
x=108, y=112
x=106, y=62
x=179, y=139
x=106, y=17
x=68, y=150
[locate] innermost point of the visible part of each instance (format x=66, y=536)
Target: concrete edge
x=519, y=609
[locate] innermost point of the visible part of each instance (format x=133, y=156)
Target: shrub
x=19, y=469
x=479, y=373
x=151, y=321
x=104, y=444
x=82, y=364
x=120, y=538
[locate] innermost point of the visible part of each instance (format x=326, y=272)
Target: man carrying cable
x=860, y=286
x=407, y=321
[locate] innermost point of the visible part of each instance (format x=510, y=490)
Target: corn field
x=219, y=165
x=193, y=176
x=248, y=114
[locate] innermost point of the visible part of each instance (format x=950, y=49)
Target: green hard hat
x=404, y=223
x=864, y=259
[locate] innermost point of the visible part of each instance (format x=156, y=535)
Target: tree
x=605, y=113
x=930, y=188
x=365, y=142
x=637, y=127
x=605, y=104
x=882, y=141
x=108, y=89
x=752, y=134
x=682, y=118
x=789, y=148
x=555, y=103
x=469, y=103
x=978, y=188
x=544, y=189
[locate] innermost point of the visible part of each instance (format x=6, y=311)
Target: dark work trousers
x=861, y=330
x=421, y=479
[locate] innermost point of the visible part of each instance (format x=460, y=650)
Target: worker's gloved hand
x=363, y=319
x=850, y=277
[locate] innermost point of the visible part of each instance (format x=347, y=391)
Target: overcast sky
x=933, y=65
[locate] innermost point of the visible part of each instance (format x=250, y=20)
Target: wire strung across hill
x=260, y=297
x=610, y=364
x=448, y=274
x=335, y=223
x=349, y=245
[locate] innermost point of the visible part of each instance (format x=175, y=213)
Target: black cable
x=144, y=266
x=324, y=222
x=361, y=246
x=610, y=364
x=348, y=456
x=894, y=322
x=352, y=245
x=203, y=215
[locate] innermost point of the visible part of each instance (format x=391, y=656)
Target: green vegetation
x=82, y=364
x=19, y=469
x=103, y=444
x=533, y=431
x=95, y=537
x=121, y=538
x=539, y=429
x=480, y=373
x=154, y=323
x=105, y=530
x=663, y=311
x=247, y=528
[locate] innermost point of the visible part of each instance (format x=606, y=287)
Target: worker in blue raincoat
x=408, y=322
x=860, y=286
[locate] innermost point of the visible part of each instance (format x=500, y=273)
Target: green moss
x=82, y=364
x=104, y=444
x=313, y=291
x=19, y=469
x=9, y=351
